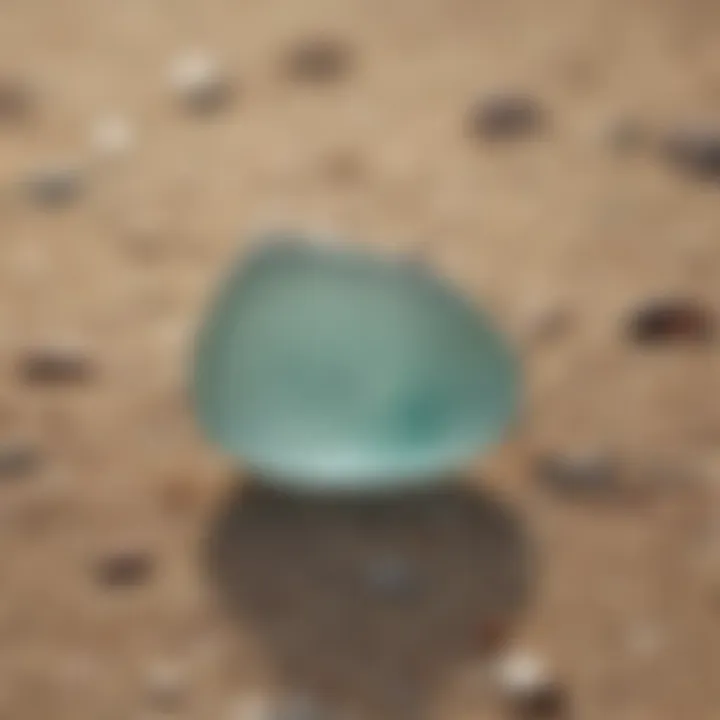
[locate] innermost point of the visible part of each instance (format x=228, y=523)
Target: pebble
x=17, y=460
x=318, y=60
x=529, y=687
x=112, y=137
x=506, y=116
x=392, y=576
x=671, y=320
x=124, y=569
x=582, y=473
x=55, y=365
x=626, y=135
x=16, y=100
x=54, y=186
x=200, y=84
x=695, y=150
x=493, y=633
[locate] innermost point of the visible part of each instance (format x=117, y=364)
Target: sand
x=621, y=597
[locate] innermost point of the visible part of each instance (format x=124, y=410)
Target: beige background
x=547, y=222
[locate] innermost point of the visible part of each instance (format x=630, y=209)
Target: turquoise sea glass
x=333, y=368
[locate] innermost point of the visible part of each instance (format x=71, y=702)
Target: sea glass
x=331, y=367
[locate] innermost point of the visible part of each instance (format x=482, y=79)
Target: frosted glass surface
x=329, y=367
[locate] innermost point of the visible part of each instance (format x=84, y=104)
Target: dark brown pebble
x=695, y=151
x=17, y=460
x=318, y=60
x=671, y=321
x=586, y=474
x=506, y=116
x=124, y=569
x=547, y=702
x=46, y=366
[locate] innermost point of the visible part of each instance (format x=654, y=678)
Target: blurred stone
x=16, y=100
x=494, y=633
x=318, y=59
x=529, y=688
x=54, y=186
x=55, y=365
x=112, y=137
x=671, y=320
x=580, y=473
x=18, y=460
x=392, y=576
x=200, y=84
x=626, y=135
x=124, y=569
x=506, y=116
x=695, y=150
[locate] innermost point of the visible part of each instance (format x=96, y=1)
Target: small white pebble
x=112, y=136
x=191, y=69
x=521, y=672
x=530, y=689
